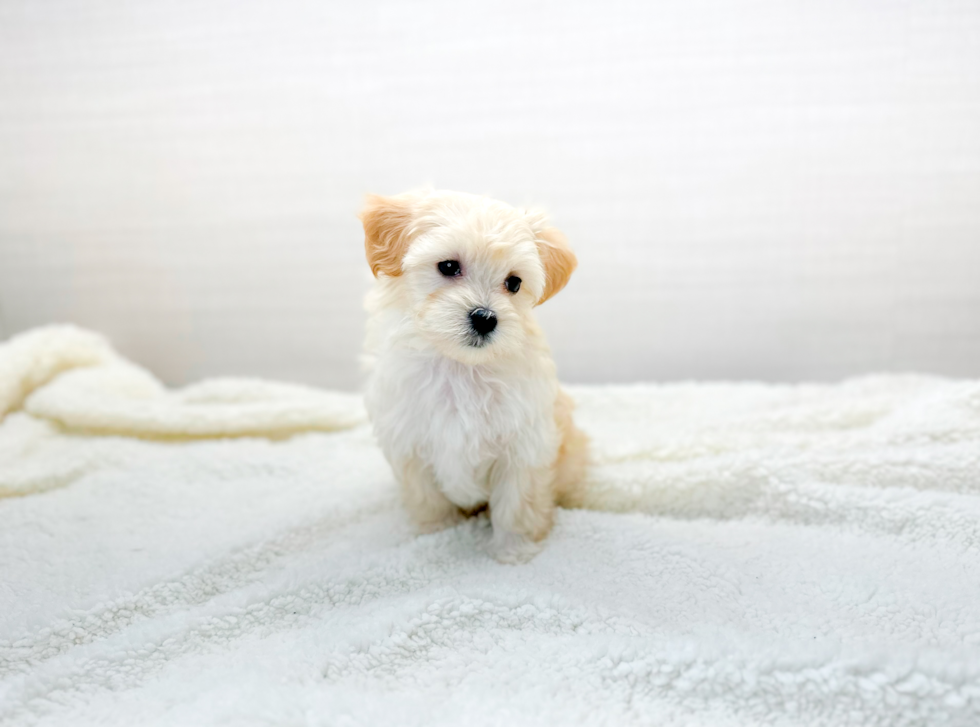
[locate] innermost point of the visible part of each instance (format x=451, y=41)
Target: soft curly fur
x=469, y=421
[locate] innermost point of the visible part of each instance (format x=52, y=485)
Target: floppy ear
x=558, y=259
x=386, y=223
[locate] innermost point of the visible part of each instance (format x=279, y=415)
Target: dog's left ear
x=387, y=222
x=558, y=259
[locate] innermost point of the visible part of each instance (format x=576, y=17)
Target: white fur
x=481, y=418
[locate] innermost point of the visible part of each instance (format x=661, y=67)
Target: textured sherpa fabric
x=234, y=553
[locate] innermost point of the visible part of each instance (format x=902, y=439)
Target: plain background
x=769, y=190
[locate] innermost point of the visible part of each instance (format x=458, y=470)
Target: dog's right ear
x=387, y=222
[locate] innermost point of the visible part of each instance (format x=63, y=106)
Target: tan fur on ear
x=386, y=223
x=558, y=259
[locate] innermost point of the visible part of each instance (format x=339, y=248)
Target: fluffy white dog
x=462, y=390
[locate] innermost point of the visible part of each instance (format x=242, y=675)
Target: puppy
x=462, y=391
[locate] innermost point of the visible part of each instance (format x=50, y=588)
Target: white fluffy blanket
x=234, y=553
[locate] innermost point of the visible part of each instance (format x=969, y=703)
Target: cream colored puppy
x=462, y=392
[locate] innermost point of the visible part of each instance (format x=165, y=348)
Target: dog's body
x=462, y=392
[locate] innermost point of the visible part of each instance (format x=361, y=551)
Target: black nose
x=483, y=321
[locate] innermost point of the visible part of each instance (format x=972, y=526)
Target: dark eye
x=513, y=283
x=450, y=268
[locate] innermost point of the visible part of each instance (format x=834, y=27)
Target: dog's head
x=467, y=270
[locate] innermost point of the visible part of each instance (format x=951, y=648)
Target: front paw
x=449, y=520
x=513, y=548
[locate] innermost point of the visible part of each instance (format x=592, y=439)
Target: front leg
x=522, y=509
x=426, y=504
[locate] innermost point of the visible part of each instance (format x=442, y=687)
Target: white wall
x=771, y=189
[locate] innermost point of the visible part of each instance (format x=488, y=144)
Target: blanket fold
x=75, y=379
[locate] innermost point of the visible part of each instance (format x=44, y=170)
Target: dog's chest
x=457, y=419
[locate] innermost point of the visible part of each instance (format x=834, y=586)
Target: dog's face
x=467, y=270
